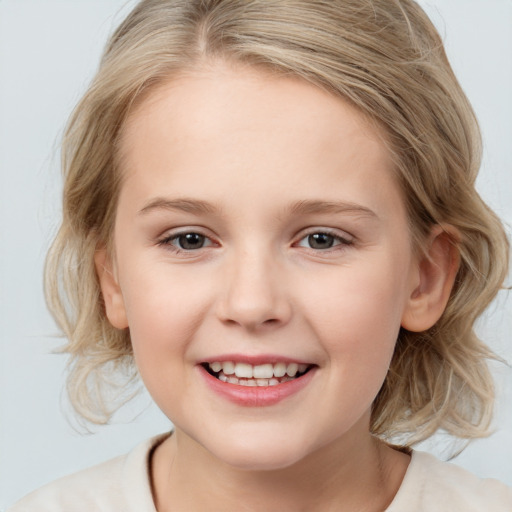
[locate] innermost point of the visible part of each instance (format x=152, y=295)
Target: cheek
x=164, y=310
x=357, y=329
x=359, y=299
x=163, y=320
x=357, y=318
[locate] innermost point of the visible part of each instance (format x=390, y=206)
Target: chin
x=250, y=460
x=259, y=453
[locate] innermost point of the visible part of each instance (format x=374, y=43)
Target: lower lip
x=256, y=396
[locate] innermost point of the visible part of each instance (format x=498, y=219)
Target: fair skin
x=259, y=222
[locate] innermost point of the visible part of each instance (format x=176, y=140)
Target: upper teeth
x=262, y=371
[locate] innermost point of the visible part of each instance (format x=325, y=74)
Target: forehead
x=251, y=129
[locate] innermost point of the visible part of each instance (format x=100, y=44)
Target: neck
x=354, y=473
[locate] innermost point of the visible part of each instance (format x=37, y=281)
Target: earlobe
x=110, y=289
x=435, y=275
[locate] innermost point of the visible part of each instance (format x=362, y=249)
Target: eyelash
x=339, y=242
x=171, y=241
x=167, y=241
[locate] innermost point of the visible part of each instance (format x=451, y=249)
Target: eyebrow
x=303, y=207
x=314, y=206
x=185, y=205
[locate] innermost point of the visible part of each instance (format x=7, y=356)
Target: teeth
x=279, y=370
x=243, y=370
x=260, y=375
x=263, y=371
x=292, y=369
x=216, y=367
x=228, y=368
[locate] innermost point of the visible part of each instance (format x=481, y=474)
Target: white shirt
x=123, y=485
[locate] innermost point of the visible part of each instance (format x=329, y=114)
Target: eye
x=322, y=241
x=189, y=241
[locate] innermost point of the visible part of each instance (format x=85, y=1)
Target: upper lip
x=254, y=360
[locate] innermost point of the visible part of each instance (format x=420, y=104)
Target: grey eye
x=320, y=241
x=190, y=241
x=323, y=240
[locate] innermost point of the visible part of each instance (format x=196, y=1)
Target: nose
x=254, y=293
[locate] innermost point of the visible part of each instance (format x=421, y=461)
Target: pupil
x=320, y=241
x=191, y=241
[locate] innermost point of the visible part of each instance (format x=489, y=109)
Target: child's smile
x=270, y=379
x=264, y=264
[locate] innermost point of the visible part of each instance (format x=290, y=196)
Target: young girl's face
x=259, y=226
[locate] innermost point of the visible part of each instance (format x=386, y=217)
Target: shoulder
x=122, y=483
x=434, y=486
x=84, y=490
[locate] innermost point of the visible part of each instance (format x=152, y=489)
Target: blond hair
x=387, y=59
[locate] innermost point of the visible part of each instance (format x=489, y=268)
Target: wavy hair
x=384, y=57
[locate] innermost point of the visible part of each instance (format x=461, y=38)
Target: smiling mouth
x=262, y=375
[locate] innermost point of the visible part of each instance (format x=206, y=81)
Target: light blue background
x=49, y=50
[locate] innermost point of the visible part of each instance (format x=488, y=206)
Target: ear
x=434, y=277
x=110, y=289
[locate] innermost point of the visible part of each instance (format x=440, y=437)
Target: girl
x=270, y=215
